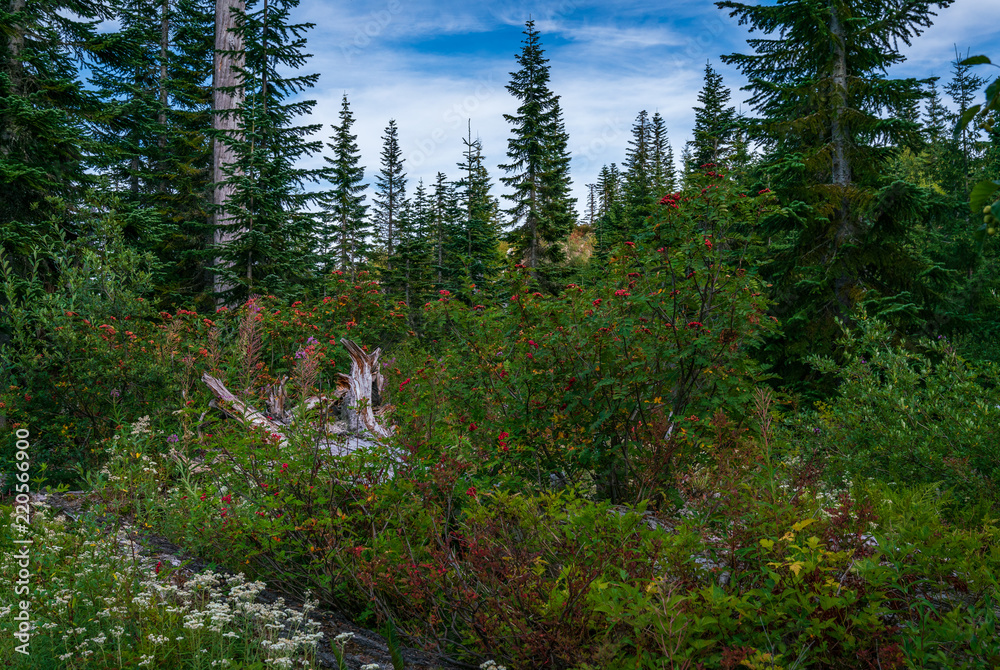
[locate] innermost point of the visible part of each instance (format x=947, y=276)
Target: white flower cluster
x=111, y=578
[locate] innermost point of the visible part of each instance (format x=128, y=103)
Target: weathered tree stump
x=358, y=396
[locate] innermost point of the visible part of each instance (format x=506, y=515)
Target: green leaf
x=991, y=93
x=980, y=196
x=976, y=60
x=965, y=119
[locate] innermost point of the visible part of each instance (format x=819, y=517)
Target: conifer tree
x=538, y=169
x=611, y=224
x=639, y=175
x=963, y=89
x=152, y=140
x=817, y=81
x=664, y=174
x=344, y=240
x=714, y=123
x=411, y=274
x=444, y=232
x=271, y=231
x=43, y=111
x=390, y=191
x=186, y=170
x=477, y=239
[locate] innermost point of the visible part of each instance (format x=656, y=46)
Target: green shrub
x=914, y=416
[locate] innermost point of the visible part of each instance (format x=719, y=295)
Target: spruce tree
x=390, y=192
x=538, y=167
x=186, y=170
x=477, y=239
x=152, y=140
x=664, y=174
x=270, y=228
x=444, y=230
x=849, y=233
x=611, y=225
x=714, y=123
x=963, y=89
x=639, y=186
x=344, y=239
x=44, y=109
x=411, y=275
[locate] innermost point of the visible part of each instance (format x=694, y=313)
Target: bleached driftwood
x=357, y=399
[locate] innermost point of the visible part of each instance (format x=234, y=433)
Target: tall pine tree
x=477, y=239
x=714, y=123
x=270, y=228
x=538, y=167
x=345, y=244
x=848, y=232
x=390, y=192
x=44, y=109
x=664, y=174
x=639, y=169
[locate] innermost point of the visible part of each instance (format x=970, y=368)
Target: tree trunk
x=366, y=385
x=161, y=118
x=15, y=45
x=226, y=100
x=839, y=134
x=844, y=285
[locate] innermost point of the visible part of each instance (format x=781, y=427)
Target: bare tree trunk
x=844, y=285
x=15, y=45
x=840, y=136
x=226, y=99
x=161, y=118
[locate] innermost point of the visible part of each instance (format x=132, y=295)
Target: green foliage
x=270, y=232
x=344, y=246
x=714, y=124
x=830, y=124
x=118, y=609
x=538, y=171
x=914, y=416
x=602, y=382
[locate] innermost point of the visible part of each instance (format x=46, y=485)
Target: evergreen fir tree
x=390, y=192
x=443, y=228
x=272, y=233
x=849, y=233
x=153, y=146
x=344, y=240
x=477, y=240
x=963, y=89
x=611, y=224
x=664, y=174
x=714, y=123
x=411, y=275
x=43, y=111
x=185, y=171
x=639, y=175
x=538, y=171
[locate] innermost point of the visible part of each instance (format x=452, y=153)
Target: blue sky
x=433, y=66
